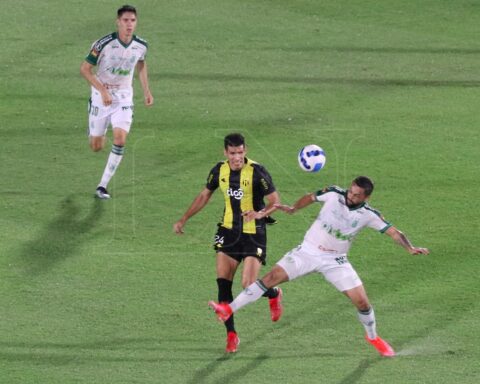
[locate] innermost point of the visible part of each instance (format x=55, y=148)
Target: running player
x=111, y=103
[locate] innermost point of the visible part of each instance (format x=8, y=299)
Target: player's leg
x=250, y=294
x=114, y=158
x=366, y=315
x=251, y=269
x=98, y=122
x=292, y=265
x=121, y=121
x=226, y=268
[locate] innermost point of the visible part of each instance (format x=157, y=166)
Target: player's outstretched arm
x=273, y=199
x=403, y=241
x=198, y=203
x=303, y=202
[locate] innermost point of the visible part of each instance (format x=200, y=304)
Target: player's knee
x=97, y=143
x=96, y=146
x=362, y=304
x=246, y=281
x=120, y=141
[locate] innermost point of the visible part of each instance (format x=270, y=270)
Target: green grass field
x=104, y=292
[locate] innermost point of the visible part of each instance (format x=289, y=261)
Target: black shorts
x=239, y=245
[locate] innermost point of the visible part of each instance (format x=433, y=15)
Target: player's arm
x=402, y=240
x=273, y=199
x=86, y=70
x=303, y=202
x=198, y=203
x=143, y=76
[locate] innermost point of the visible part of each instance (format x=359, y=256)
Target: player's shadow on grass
x=236, y=375
x=61, y=237
x=357, y=373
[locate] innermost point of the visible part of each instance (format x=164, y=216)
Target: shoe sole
x=236, y=348
x=102, y=196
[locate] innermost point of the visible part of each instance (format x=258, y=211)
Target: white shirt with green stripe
x=116, y=63
x=337, y=225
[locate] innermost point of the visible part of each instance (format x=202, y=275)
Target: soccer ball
x=311, y=158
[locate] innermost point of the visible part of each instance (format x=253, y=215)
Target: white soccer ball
x=311, y=158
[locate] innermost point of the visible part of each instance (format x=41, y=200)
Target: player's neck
x=125, y=38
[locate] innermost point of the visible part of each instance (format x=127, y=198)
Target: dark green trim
x=332, y=188
x=386, y=227
x=138, y=39
x=91, y=59
x=121, y=42
x=374, y=211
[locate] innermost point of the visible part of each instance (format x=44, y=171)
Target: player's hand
x=148, y=99
x=252, y=215
x=419, y=251
x=285, y=208
x=178, y=227
x=106, y=98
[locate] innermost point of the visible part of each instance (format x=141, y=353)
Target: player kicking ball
x=324, y=250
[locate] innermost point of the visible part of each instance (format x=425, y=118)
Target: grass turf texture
x=103, y=292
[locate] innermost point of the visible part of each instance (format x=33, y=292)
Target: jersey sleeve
x=92, y=56
x=97, y=47
x=265, y=180
x=326, y=193
x=212, y=179
x=377, y=221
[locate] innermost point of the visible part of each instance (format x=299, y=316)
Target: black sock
x=271, y=293
x=225, y=295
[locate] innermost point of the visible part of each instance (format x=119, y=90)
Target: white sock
x=113, y=161
x=250, y=294
x=367, y=318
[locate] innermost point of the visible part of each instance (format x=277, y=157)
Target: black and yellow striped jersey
x=243, y=190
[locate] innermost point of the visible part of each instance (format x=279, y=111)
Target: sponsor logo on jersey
x=120, y=71
x=337, y=233
x=235, y=193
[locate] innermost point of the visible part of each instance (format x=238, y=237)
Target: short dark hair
x=365, y=183
x=233, y=140
x=126, y=8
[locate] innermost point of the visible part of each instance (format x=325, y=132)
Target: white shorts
x=119, y=115
x=336, y=268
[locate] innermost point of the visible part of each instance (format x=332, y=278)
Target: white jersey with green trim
x=116, y=63
x=337, y=224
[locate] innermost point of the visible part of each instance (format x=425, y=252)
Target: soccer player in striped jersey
x=115, y=56
x=241, y=235
x=324, y=250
